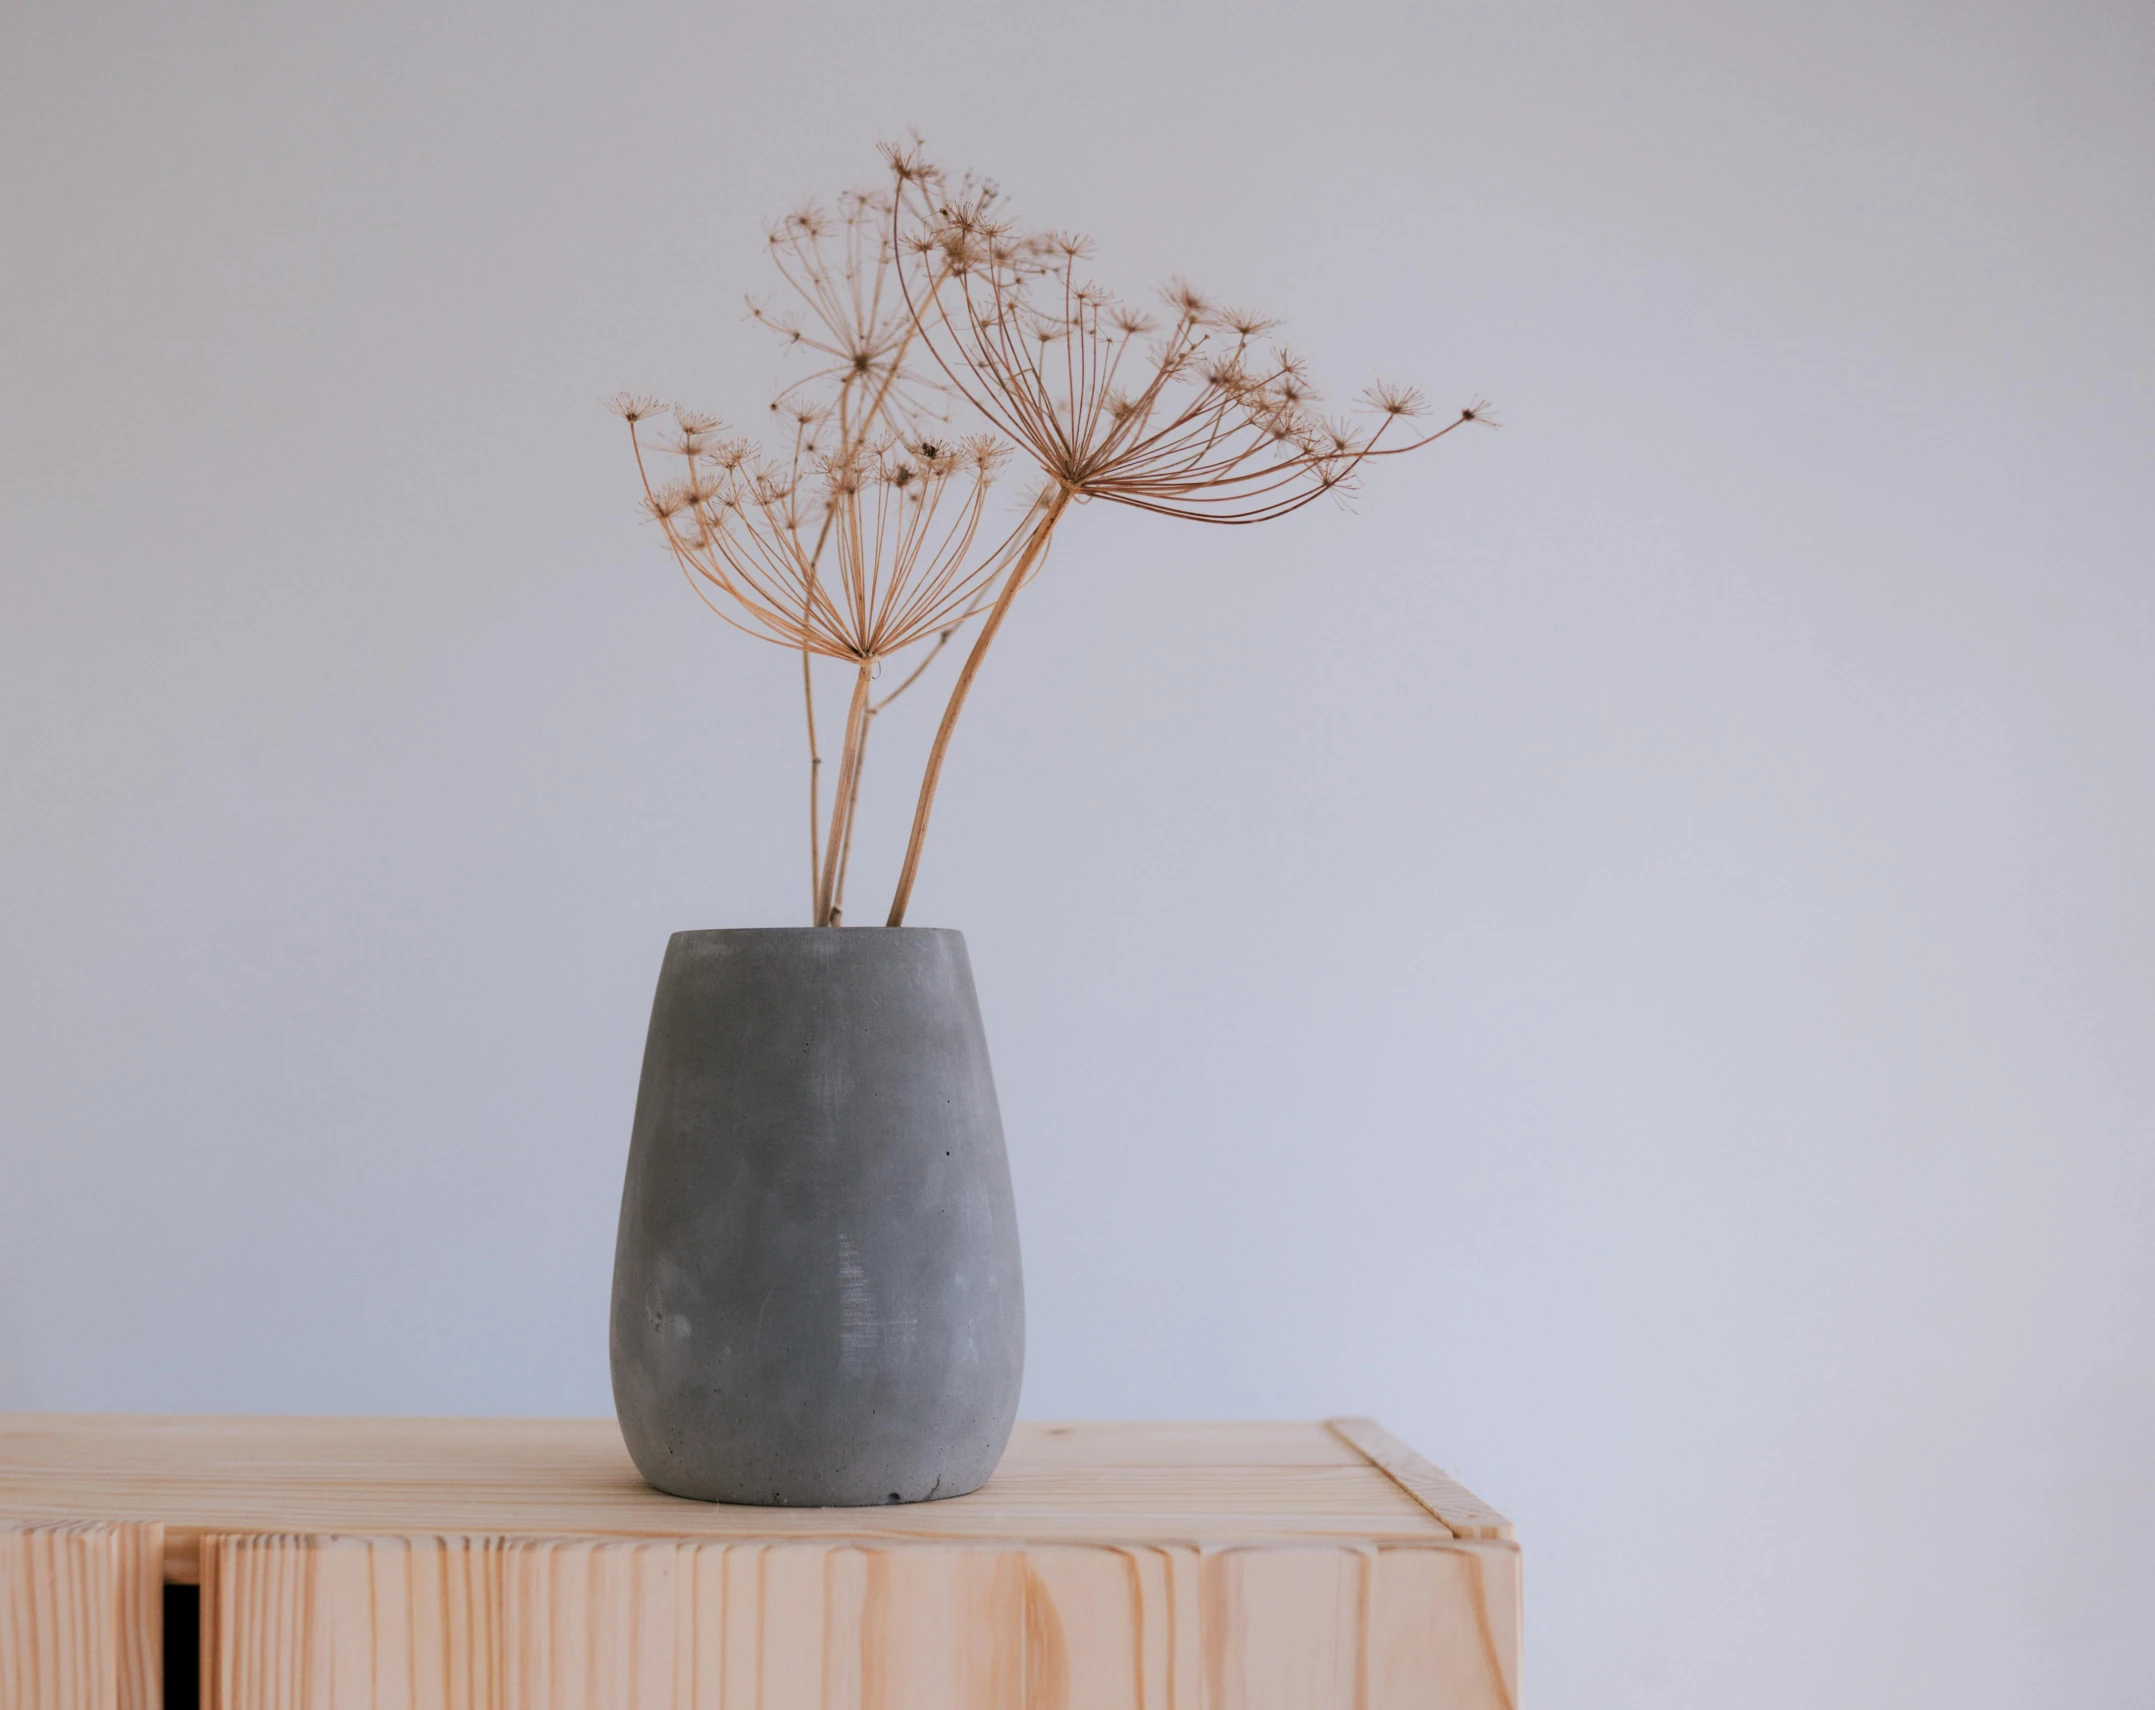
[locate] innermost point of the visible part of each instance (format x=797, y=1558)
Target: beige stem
x=853, y=796
x=815, y=788
x=875, y=708
x=848, y=760
x=1034, y=546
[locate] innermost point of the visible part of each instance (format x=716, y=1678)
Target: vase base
x=738, y=1497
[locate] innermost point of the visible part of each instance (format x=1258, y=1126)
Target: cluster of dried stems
x=869, y=533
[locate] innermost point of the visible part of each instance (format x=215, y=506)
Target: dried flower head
x=1204, y=419
x=844, y=307
x=853, y=554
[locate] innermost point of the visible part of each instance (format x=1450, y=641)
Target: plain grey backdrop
x=1629, y=954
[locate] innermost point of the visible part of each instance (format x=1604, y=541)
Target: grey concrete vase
x=817, y=1299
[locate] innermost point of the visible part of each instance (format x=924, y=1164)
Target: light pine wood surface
x=496, y=1564
x=1464, y=1514
x=81, y=1624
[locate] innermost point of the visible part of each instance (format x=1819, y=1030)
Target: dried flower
x=867, y=532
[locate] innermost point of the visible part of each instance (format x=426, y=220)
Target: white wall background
x=1631, y=956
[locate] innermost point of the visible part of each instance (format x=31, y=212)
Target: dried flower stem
x=849, y=760
x=848, y=444
x=1028, y=560
x=860, y=762
x=815, y=782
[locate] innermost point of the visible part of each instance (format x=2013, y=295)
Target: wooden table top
x=1209, y=1484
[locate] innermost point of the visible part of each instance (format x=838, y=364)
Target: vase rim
x=805, y=933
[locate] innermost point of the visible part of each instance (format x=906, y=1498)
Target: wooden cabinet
x=493, y=1564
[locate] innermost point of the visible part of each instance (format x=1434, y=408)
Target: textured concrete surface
x=817, y=1298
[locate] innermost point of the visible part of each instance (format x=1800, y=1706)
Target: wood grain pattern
x=499, y=1564
x=80, y=1617
x=457, y=1623
x=1109, y=1483
x=1464, y=1514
